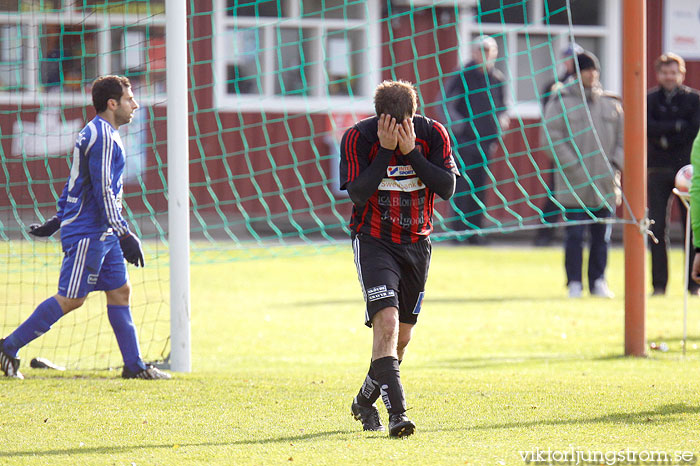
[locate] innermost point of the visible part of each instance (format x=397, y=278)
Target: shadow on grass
x=504, y=361
x=127, y=448
x=443, y=300
x=659, y=415
x=674, y=339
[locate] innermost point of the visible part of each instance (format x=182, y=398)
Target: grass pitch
x=501, y=363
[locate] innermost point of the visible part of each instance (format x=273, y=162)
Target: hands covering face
x=407, y=136
x=392, y=134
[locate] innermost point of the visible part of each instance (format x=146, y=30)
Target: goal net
x=273, y=84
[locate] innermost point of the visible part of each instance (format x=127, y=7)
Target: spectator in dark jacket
x=476, y=103
x=673, y=120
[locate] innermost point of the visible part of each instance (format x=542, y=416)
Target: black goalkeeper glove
x=131, y=247
x=47, y=228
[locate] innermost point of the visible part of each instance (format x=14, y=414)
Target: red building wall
x=655, y=46
x=240, y=161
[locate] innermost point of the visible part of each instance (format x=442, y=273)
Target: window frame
x=608, y=33
x=30, y=24
x=317, y=101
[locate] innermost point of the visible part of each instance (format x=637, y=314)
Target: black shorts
x=392, y=275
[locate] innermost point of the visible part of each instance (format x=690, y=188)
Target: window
x=242, y=75
x=583, y=12
x=294, y=61
x=297, y=54
x=499, y=11
x=139, y=53
x=52, y=6
x=67, y=56
x=12, y=70
x=57, y=49
x=532, y=35
x=263, y=8
x=537, y=65
x=333, y=9
x=345, y=62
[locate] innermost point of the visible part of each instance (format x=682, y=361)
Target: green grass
x=501, y=362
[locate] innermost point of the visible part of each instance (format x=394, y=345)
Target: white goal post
x=178, y=184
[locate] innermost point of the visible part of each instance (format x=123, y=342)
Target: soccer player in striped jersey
x=392, y=165
x=95, y=237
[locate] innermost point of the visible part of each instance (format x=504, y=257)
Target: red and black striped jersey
x=401, y=209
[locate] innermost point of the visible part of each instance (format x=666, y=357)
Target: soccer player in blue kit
x=95, y=237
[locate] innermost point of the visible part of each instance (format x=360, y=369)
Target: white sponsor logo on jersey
x=400, y=170
x=408, y=185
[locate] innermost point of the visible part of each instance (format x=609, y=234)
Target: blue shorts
x=92, y=264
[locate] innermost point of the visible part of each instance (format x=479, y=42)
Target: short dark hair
x=667, y=59
x=108, y=87
x=396, y=98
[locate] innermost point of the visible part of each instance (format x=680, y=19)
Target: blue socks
x=48, y=312
x=124, y=330
x=44, y=316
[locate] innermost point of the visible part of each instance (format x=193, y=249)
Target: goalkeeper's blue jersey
x=91, y=202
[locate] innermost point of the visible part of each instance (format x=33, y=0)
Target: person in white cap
x=584, y=132
x=550, y=211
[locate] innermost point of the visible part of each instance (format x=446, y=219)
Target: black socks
x=387, y=374
x=369, y=392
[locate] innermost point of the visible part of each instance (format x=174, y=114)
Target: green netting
x=273, y=84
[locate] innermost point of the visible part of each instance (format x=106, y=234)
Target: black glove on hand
x=47, y=228
x=131, y=247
